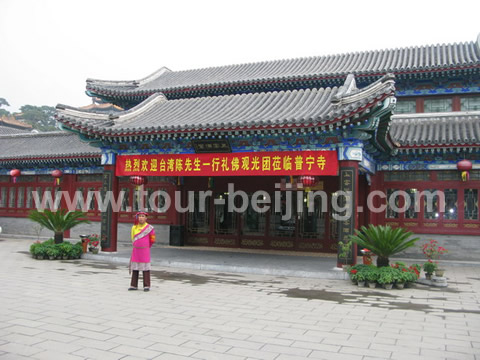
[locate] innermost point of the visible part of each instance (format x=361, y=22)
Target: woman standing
x=143, y=237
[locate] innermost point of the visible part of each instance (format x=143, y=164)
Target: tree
x=383, y=241
x=4, y=112
x=3, y=102
x=41, y=118
x=58, y=221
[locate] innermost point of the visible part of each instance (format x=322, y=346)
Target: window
x=451, y=211
x=470, y=198
x=199, y=219
x=437, y=105
x=410, y=213
x=253, y=221
x=431, y=211
x=405, y=107
x=392, y=213
x=470, y=103
x=225, y=221
x=3, y=197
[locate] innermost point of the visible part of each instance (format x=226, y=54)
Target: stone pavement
x=82, y=310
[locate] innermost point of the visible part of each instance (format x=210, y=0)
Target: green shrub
x=429, y=267
x=372, y=274
x=383, y=241
x=48, y=249
x=388, y=275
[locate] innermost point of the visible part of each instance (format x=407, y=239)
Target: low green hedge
x=49, y=250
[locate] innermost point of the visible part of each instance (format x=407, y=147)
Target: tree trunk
x=382, y=261
x=58, y=237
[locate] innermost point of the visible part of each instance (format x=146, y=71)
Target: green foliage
x=4, y=112
x=41, y=118
x=383, y=241
x=372, y=274
x=58, y=221
x=388, y=275
x=429, y=267
x=345, y=249
x=49, y=249
x=3, y=102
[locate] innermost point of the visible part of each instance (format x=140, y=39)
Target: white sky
x=48, y=48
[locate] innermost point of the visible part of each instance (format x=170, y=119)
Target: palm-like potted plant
x=383, y=241
x=58, y=221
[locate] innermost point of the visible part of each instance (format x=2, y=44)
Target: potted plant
x=386, y=277
x=344, y=252
x=429, y=267
x=372, y=277
x=93, y=243
x=432, y=252
x=58, y=221
x=383, y=241
x=52, y=252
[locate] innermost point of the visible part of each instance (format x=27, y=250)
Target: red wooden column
x=348, y=184
x=109, y=215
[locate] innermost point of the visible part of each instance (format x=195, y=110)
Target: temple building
x=305, y=136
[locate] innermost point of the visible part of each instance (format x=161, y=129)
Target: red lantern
x=465, y=166
x=14, y=174
x=57, y=174
x=138, y=180
x=307, y=180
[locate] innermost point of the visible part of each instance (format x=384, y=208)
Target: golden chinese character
x=162, y=165
x=128, y=165
x=215, y=164
x=256, y=163
x=225, y=164
x=136, y=164
x=178, y=164
x=287, y=163
x=299, y=162
x=276, y=163
x=170, y=164
x=188, y=164
x=235, y=164
x=321, y=162
x=153, y=165
x=310, y=160
x=266, y=163
x=196, y=164
x=144, y=165
x=245, y=163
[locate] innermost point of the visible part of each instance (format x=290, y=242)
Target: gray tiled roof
x=436, y=129
x=361, y=63
x=298, y=108
x=7, y=130
x=44, y=145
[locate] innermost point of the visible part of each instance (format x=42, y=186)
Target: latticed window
x=451, y=210
x=393, y=204
x=431, y=205
x=3, y=197
x=410, y=212
x=253, y=221
x=470, y=204
x=199, y=219
x=470, y=103
x=406, y=107
x=437, y=105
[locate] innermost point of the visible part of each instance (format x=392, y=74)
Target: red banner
x=230, y=164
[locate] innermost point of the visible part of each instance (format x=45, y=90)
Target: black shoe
x=146, y=289
x=132, y=288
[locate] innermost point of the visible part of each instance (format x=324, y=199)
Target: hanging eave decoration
x=57, y=174
x=14, y=174
x=465, y=166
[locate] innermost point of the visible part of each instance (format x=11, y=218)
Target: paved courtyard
x=82, y=310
